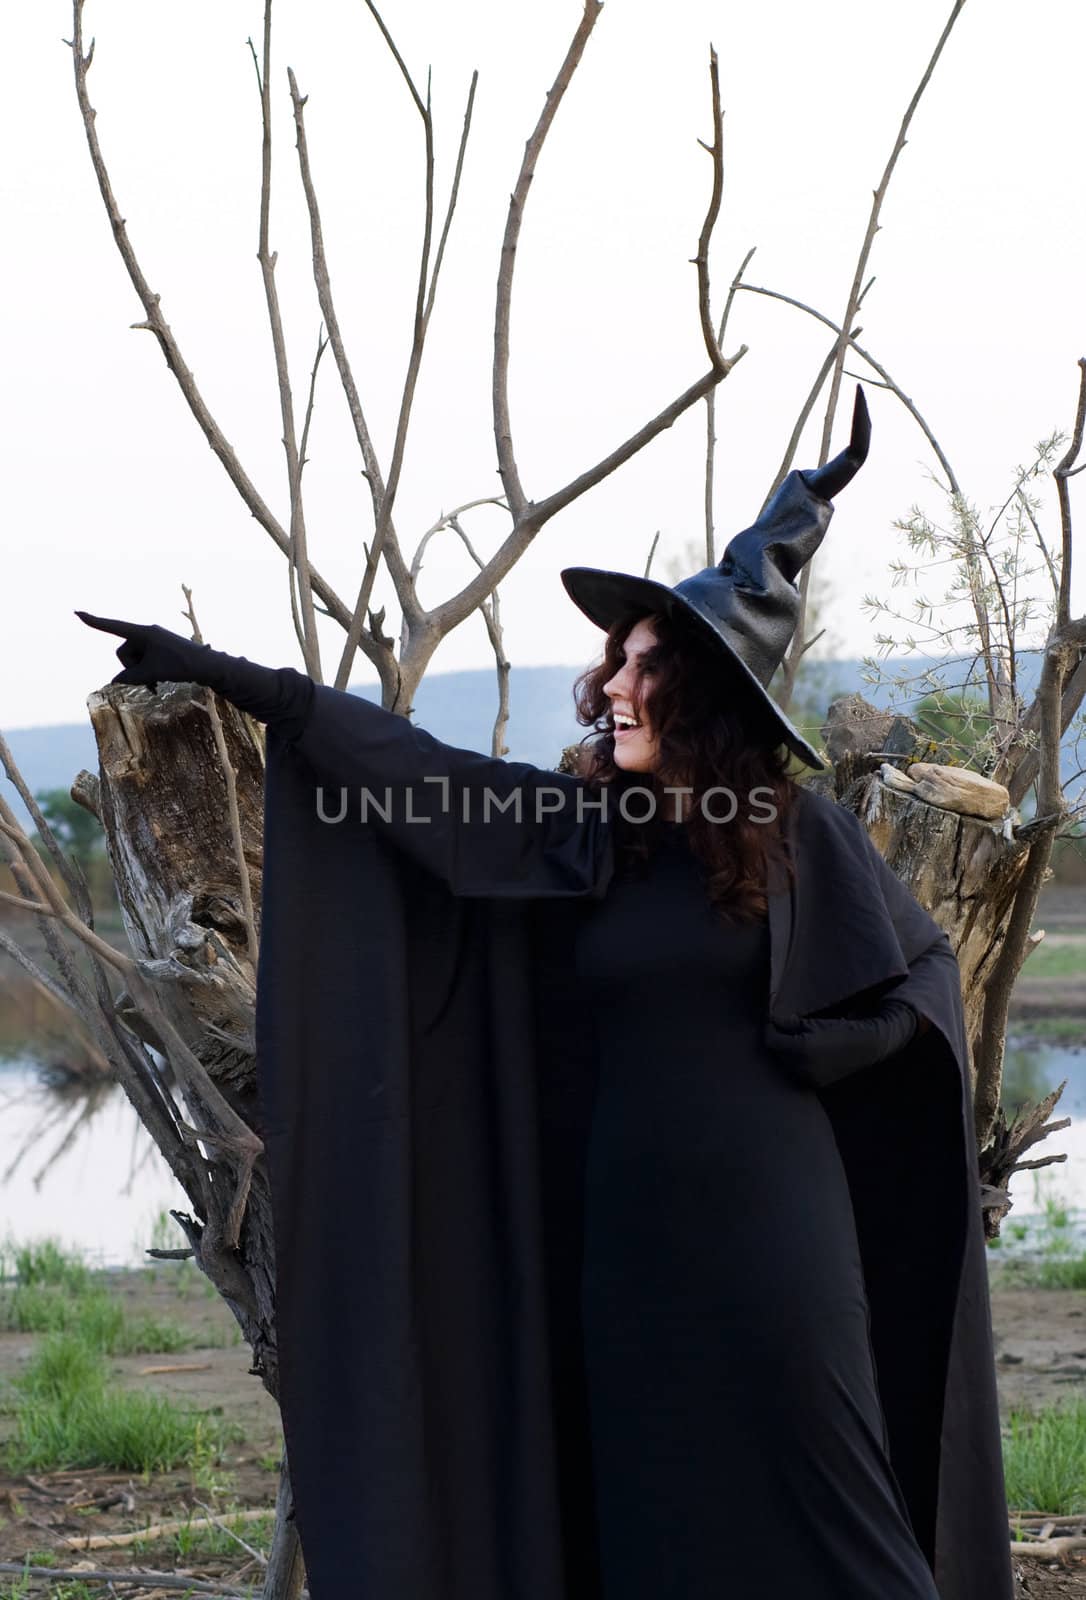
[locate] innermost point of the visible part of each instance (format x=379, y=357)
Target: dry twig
x=794, y=655
x=298, y=560
x=155, y=323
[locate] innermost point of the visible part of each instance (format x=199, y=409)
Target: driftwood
x=1047, y=1549
x=176, y=1366
x=1021, y=1519
x=951, y=789
x=157, y=1530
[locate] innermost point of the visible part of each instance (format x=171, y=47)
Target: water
x=83, y=1168
x=1030, y=1071
x=80, y=1167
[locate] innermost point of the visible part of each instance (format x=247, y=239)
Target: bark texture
x=162, y=799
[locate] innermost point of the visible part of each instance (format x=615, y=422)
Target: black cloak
x=426, y=1091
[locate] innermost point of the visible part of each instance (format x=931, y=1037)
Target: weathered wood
x=951, y=789
x=162, y=800
x=162, y=803
x=286, y=1569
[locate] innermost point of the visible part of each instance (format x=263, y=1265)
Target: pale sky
x=113, y=499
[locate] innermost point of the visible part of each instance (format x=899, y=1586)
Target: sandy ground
x=37, y=1512
x=1040, y=1341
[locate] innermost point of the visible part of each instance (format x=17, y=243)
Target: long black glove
x=152, y=655
x=832, y=478
x=821, y=1050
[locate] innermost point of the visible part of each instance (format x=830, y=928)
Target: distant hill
x=457, y=707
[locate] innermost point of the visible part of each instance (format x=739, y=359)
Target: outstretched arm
x=486, y=827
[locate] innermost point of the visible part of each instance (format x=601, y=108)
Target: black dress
x=736, y=1430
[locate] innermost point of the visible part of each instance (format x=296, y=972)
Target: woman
x=599, y=1343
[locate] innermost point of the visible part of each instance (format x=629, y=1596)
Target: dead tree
x=980, y=876
x=180, y=787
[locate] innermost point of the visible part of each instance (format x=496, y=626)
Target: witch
x=620, y=1136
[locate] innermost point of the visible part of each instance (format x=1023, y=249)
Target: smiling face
x=636, y=747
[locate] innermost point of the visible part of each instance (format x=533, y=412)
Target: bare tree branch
x=454, y=194
x=992, y=667
x=492, y=619
x=1042, y=543
x=40, y=978
x=230, y=778
x=1061, y=475
x=733, y=289
x=424, y=302
x=710, y=416
x=805, y=412
x=701, y=260
x=775, y=294
x=503, y=429
x=873, y=226
x=30, y=872
x=378, y=653
x=529, y=517
x=322, y=345
x=141, y=1579
x=1059, y=656
x=70, y=870
x=445, y=520
x=156, y=323
x=801, y=422
x=298, y=545
x=1019, y=776
x=795, y=650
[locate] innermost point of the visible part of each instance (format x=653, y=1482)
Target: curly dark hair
x=711, y=732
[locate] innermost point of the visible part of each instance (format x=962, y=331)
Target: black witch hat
x=747, y=606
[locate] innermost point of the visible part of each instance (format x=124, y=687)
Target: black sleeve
x=821, y=1050
x=485, y=826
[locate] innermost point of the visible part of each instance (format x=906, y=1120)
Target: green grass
x=45, y=1262
x=61, y=1367
x=1073, y=1028
x=1057, y=960
x=67, y=1415
x=28, y=1588
x=94, y=1316
x=1044, y=1459
x=1069, y=1273
x=197, y=1543
x=1055, y=1259
x=111, y=1429
x=56, y=1293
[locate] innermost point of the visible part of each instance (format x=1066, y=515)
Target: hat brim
x=605, y=596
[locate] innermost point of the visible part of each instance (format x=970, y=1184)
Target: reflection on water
x=79, y=1163
x=1031, y=1071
